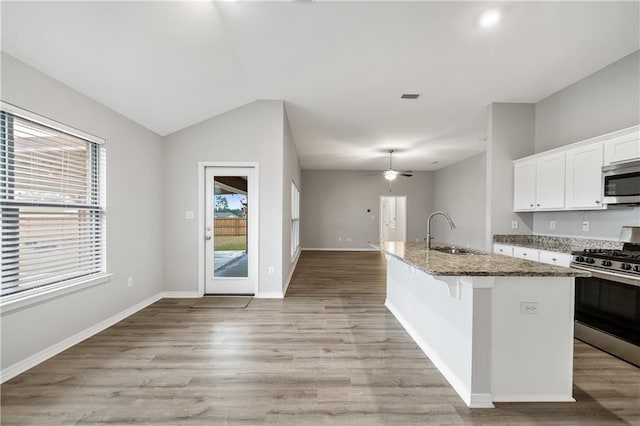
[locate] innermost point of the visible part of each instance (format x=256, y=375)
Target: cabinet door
x=550, y=182
x=553, y=258
x=584, y=177
x=503, y=249
x=622, y=148
x=524, y=186
x=526, y=253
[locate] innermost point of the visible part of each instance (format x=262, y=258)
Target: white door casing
x=393, y=218
x=208, y=281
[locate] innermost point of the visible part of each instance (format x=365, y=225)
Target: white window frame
x=34, y=295
x=295, y=220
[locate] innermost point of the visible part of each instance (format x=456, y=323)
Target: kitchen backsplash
x=556, y=243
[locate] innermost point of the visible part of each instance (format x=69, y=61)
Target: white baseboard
x=270, y=295
x=181, y=294
x=293, y=268
x=481, y=400
x=533, y=398
x=339, y=249
x=35, y=359
x=472, y=400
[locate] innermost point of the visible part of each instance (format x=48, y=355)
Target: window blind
x=52, y=200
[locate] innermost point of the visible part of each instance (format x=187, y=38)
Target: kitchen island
x=500, y=329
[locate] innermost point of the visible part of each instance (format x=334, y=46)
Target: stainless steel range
x=608, y=302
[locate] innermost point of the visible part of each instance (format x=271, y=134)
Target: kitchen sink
x=453, y=250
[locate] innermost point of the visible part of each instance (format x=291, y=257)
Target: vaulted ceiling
x=339, y=66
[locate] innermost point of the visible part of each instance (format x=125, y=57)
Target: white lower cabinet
x=553, y=258
x=544, y=256
x=503, y=249
x=526, y=253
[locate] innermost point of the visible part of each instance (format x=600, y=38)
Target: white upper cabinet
x=550, y=171
x=622, y=148
x=584, y=177
x=570, y=177
x=539, y=183
x=524, y=194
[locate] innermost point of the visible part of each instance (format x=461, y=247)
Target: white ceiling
x=340, y=66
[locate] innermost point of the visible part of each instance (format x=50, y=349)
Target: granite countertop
x=556, y=243
x=476, y=263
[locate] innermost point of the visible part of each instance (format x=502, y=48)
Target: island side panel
x=532, y=353
x=438, y=318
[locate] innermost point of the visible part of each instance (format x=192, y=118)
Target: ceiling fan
x=391, y=173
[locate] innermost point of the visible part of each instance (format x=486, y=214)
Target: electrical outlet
x=339, y=239
x=188, y=214
x=585, y=226
x=130, y=282
x=528, y=307
x=272, y=270
x=514, y=224
x=348, y=239
x=552, y=224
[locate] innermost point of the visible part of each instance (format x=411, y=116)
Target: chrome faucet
x=429, y=237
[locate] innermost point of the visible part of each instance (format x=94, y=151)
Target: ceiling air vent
x=410, y=96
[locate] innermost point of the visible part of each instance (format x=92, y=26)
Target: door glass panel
x=230, y=257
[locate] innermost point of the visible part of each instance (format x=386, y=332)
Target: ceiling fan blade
x=405, y=174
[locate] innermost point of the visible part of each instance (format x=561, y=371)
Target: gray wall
x=291, y=172
x=134, y=215
x=459, y=190
x=603, y=102
x=602, y=224
x=510, y=136
x=334, y=205
x=252, y=133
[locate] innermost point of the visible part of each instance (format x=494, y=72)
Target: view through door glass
x=230, y=255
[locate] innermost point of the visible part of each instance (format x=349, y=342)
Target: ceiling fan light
x=390, y=174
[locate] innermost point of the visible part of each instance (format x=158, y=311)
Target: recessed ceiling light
x=410, y=96
x=490, y=18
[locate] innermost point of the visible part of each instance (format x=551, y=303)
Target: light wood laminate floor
x=328, y=354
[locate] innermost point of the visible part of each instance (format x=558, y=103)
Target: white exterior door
x=231, y=225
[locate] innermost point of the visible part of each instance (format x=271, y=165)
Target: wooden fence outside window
x=230, y=226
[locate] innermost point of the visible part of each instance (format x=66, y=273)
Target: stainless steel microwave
x=621, y=183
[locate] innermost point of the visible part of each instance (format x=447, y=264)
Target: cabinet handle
x=554, y=259
x=531, y=205
x=538, y=205
x=524, y=254
x=597, y=201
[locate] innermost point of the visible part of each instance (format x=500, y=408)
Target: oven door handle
x=611, y=276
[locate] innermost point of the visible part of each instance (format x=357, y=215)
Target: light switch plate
x=552, y=224
x=514, y=224
x=585, y=226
